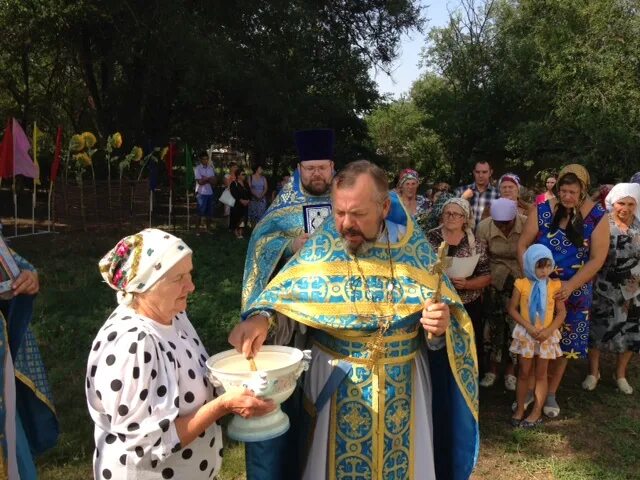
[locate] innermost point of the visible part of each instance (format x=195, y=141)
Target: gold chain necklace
x=375, y=346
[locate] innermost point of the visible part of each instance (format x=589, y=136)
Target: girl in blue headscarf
x=537, y=334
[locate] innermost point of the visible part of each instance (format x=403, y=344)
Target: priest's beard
x=364, y=246
x=317, y=186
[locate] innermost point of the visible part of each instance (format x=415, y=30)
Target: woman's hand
x=459, y=283
x=544, y=334
x=533, y=331
x=565, y=292
x=26, y=283
x=246, y=404
x=435, y=317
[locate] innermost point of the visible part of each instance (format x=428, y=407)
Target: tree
x=244, y=74
x=400, y=137
x=531, y=85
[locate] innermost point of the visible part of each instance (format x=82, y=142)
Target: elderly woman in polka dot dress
x=154, y=410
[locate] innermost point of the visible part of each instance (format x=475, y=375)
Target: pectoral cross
x=438, y=268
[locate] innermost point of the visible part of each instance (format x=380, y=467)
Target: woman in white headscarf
x=456, y=228
x=154, y=410
x=615, y=324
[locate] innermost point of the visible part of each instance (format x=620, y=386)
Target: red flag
x=170, y=156
x=56, y=156
x=6, y=152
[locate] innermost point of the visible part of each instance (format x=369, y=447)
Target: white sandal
x=488, y=380
x=510, y=382
x=624, y=386
x=590, y=382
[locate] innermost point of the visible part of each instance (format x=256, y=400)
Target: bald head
x=348, y=176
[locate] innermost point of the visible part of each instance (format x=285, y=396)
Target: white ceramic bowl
x=278, y=371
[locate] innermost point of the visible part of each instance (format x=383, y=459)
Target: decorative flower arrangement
x=135, y=155
x=114, y=142
x=89, y=139
x=77, y=143
x=82, y=151
x=83, y=159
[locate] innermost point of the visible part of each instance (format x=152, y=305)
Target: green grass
x=596, y=437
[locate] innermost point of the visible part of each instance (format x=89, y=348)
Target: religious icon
x=9, y=270
x=314, y=215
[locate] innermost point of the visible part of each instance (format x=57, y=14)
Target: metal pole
x=49, y=207
x=188, y=219
x=33, y=208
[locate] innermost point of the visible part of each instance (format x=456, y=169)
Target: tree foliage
x=241, y=74
x=531, y=85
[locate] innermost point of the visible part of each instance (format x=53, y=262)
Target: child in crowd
x=537, y=334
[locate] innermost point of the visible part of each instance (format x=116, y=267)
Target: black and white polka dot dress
x=141, y=375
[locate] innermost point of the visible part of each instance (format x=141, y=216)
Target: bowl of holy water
x=278, y=369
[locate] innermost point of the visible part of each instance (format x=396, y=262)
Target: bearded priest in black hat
x=300, y=208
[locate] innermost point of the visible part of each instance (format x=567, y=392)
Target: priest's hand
x=435, y=317
x=248, y=336
x=26, y=283
x=299, y=242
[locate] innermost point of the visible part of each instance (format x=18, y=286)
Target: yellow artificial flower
x=76, y=144
x=83, y=159
x=163, y=152
x=137, y=154
x=116, y=140
x=89, y=139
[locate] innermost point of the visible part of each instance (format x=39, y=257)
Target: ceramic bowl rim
x=276, y=372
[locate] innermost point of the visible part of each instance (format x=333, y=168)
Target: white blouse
x=142, y=375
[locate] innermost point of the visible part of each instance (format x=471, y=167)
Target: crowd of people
x=343, y=264
x=586, y=288
x=531, y=286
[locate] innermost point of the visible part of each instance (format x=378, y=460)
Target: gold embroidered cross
x=354, y=420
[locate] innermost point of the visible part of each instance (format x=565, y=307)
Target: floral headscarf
x=138, y=261
x=406, y=175
x=510, y=177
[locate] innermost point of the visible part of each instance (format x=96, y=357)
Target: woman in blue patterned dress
x=571, y=227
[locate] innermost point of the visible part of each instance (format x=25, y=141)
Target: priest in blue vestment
x=28, y=423
x=300, y=208
x=384, y=399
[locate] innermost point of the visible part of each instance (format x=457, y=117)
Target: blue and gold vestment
x=270, y=241
x=36, y=424
x=372, y=427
